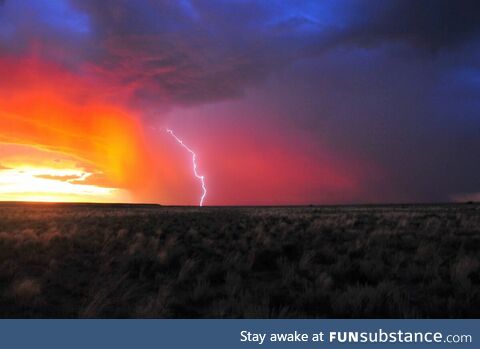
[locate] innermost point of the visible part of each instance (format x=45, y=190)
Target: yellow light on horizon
x=25, y=183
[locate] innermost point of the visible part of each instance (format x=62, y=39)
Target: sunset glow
x=285, y=102
x=47, y=185
x=47, y=114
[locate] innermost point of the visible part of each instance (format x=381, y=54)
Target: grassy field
x=103, y=261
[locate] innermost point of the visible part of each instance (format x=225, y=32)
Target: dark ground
x=127, y=261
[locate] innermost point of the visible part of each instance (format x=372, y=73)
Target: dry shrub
x=462, y=270
x=26, y=289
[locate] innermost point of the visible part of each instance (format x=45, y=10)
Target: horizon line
x=239, y=205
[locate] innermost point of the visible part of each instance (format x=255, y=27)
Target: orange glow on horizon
x=52, y=185
x=65, y=136
x=47, y=113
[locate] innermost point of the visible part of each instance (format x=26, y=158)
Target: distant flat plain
x=149, y=261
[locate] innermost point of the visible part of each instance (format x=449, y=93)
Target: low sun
x=31, y=174
x=50, y=185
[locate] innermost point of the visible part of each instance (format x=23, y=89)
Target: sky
x=282, y=102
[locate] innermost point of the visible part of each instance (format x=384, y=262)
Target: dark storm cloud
x=182, y=52
x=395, y=109
x=429, y=24
x=383, y=78
x=188, y=52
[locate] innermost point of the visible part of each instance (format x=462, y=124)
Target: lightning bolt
x=194, y=163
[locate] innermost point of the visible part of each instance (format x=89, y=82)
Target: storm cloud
x=395, y=83
x=428, y=24
x=188, y=52
x=201, y=51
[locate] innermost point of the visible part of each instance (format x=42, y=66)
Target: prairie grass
x=127, y=261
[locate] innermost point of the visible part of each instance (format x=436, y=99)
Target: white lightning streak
x=194, y=162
